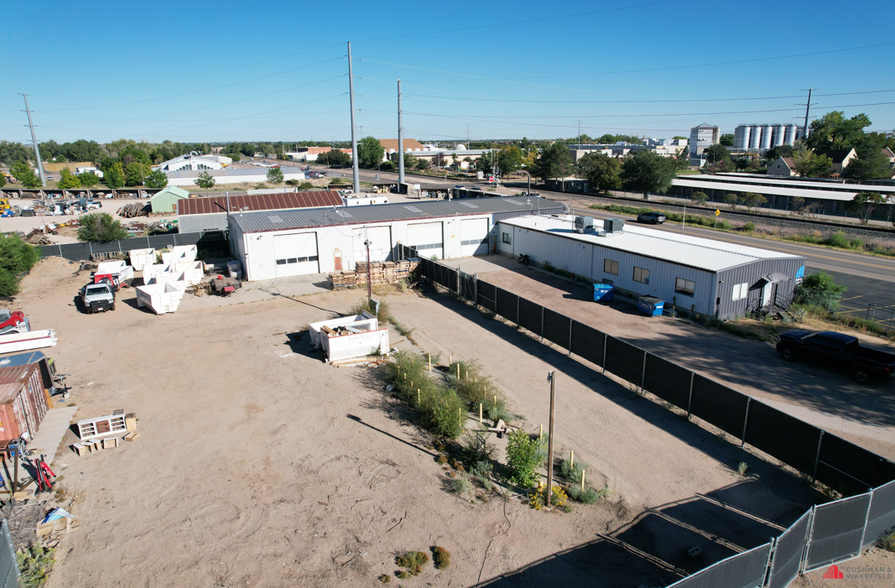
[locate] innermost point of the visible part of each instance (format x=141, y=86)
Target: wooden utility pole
x=552, y=377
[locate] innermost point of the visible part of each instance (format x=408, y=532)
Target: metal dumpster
x=650, y=305
x=604, y=292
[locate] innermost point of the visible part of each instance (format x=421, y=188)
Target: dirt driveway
x=260, y=466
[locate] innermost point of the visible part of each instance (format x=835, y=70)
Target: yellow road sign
x=717, y=212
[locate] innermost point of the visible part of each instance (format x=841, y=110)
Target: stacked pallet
x=388, y=272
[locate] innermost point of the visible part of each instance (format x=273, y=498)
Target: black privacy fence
x=826, y=534
x=208, y=244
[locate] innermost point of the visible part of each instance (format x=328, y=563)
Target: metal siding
x=199, y=223
x=750, y=274
x=380, y=244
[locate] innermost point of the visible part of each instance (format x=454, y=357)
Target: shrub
x=838, y=239
x=573, y=473
x=523, y=458
x=887, y=540
x=35, y=565
x=476, y=449
x=856, y=244
x=100, y=227
x=819, y=290
x=742, y=468
x=413, y=561
x=749, y=227
x=16, y=258
x=538, y=498
x=462, y=486
x=366, y=305
x=385, y=578
x=441, y=557
x=588, y=495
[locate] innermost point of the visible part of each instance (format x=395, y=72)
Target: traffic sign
x=717, y=212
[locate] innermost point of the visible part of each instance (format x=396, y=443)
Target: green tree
x=509, y=160
x=699, y=198
x=875, y=166
x=780, y=151
x=602, y=172
x=717, y=153
x=819, y=290
x=100, y=227
x=409, y=160
x=727, y=139
x=834, y=131
x=754, y=200
x=88, y=179
x=335, y=158
x=135, y=173
x=21, y=171
x=113, y=176
x=275, y=175
x=732, y=200
x=797, y=203
x=82, y=150
x=681, y=159
x=50, y=150
x=156, y=180
x=11, y=152
x=810, y=165
x=863, y=205
x=16, y=258
x=67, y=181
x=422, y=164
x=555, y=161
x=205, y=181
x=369, y=152
x=523, y=458
x=647, y=171
x=2, y=180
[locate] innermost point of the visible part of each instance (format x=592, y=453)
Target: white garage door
x=474, y=237
x=428, y=238
x=380, y=244
x=296, y=254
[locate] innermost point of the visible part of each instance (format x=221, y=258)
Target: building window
x=685, y=287
x=641, y=275
x=610, y=267
x=507, y=238
x=740, y=291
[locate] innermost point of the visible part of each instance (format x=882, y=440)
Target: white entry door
x=428, y=238
x=296, y=254
x=474, y=237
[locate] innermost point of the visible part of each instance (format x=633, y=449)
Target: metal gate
x=9, y=568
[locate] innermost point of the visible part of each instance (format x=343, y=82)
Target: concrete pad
x=51, y=432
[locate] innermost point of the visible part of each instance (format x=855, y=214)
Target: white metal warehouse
x=283, y=243
x=713, y=278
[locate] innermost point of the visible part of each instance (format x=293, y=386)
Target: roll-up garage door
x=380, y=243
x=296, y=254
x=428, y=238
x=474, y=237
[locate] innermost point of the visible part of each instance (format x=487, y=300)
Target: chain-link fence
x=9, y=568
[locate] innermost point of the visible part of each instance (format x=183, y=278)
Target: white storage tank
x=767, y=132
x=790, y=138
x=755, y=139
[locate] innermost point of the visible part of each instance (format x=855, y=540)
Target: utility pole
x=40, y=165
x=579, y=135
x=807, y=109
x=400, y=141
x=353, y=136
x=552, y=377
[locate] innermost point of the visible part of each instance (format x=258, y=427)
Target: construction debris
x=386, y=272
x=133, y=209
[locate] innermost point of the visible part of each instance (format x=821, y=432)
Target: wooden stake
x=460, y=416
x=480, y=413
x=572, y=460
x=417, y=396
x=583, y=472
x=540, y=432
x=430, y=362
x=467, y=375
x=458, y=370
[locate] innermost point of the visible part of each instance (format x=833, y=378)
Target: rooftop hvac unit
x=613, y=225
x=583, y=223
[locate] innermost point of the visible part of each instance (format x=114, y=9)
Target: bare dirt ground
x=258, y=465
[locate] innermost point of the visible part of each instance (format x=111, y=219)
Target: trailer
x=114, y=272
x=15, y=342
x=350, y=338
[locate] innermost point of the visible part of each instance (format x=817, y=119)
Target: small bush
x=412, y=561
x=462, y=486
x=382, y=315
x=384, y=578
x=749, y=227
x=588, y=495
x=476, y=449
x=887, y=540
x=573, y=473
x=441, y=557
x=538, y=498
x=742, y=468
x=523, y=458
x=35, y=565
x=856, y=244
x=402, y=575
x=838, y=239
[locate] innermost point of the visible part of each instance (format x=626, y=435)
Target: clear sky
x=246, y=71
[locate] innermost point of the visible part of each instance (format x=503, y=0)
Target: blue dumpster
x=650, y=305
x=604, y=292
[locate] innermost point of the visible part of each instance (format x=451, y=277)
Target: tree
x=810, y=165
x=11, y=152
x=422, y=164
x=717, y=153
x=646, y=172
x=67, y=181
x=156, y=180
x=16, y=258
x=50, y=150
x=727, y=139
x=2, y=180
x=88, y=179
x=863, y=205
x=700, y=198
x=409, y=160
x=819, y=290
x=681, y=159
x=554, y=162
x=834, y=131
x=21, y=171
x=774, y=153
x=135, y=173
x=602, y=172
x=369, y=152
x=509, y=160
x=873, y=167
x=334, y=158
x=797, y=203
x=742, y=162
x=754, y=200
x=523, y=458
x=100, y=227
x=113, y=176
x=275, y=175
x=732, y=200
x=82, y=150
x=205, y=181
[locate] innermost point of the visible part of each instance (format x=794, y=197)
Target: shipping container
x=23, y=401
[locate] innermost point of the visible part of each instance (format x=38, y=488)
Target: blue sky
x=242, y=71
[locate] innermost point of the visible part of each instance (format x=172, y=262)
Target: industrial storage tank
x=790, y=138
x=755, y=141
x=779, y=132
x=741, y=137
x=766, y=133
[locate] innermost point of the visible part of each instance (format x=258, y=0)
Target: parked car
x=476, y=188
x=653, y=218
x=840, y=350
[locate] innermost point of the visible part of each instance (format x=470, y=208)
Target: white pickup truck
x=98, y=297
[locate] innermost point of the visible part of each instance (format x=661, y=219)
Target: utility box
x=604, y=292
x=650, y=305
x=613, y=225
x=584, y=223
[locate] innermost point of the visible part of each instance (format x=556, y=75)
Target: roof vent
x=584, y=223
x=613, y=225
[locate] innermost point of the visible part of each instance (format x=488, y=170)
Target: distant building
x=701, y=138
x=391, y=145
x=255, y=175
x=783, y=167
x=764, y=137
x=840, y=157
x=194, y=162
x=166, y=200
x=310, y=153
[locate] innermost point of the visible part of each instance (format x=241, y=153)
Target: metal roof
x=12, y=378
x=255, y=222
x=762, y=189
x=815, y=188
x=697, y=252
x=255, y=202
x=229, y=171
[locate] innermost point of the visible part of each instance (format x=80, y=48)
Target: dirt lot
x=260, y=466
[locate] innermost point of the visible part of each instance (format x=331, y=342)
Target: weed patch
x=441, y=557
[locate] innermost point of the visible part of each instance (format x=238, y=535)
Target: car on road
x=459, y=187
x=652, y=218
x=476, y=188
x=837, y=350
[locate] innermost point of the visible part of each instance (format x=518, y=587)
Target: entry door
x=296, y=254
x=428, y=238
x=380, y=244
x=766, y=294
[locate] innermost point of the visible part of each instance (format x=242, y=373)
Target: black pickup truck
x=836, y=349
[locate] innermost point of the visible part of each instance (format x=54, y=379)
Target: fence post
x=745, y=422
x=643, y=373
x=89, y=244
x=571, y=326
x=119, y=246
x=866, y=519
x=820, y=440
x=605, y=345
x=475, y=291
x=690, y=398
x=175, y=239
x=60, y=255
x=495, y=299
x=148, y=244
x=542, y=324
x=517, y=311
x=458, y=283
